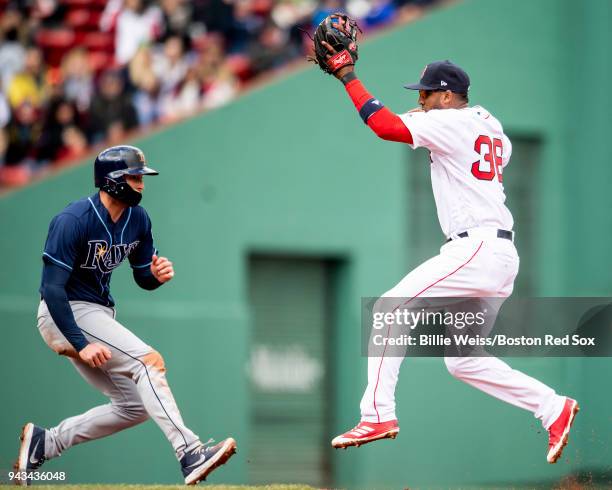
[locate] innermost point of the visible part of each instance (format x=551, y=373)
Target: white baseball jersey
x=468, y=150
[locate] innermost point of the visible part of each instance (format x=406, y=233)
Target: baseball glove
x=340, y=32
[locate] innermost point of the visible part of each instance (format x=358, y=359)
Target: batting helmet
x=111, y=167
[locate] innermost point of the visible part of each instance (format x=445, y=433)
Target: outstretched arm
x=336, y=51
x=381, y=120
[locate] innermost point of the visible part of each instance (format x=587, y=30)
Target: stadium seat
x=14, y=176
x=55, y=38
x=99, y=41
x=89, y=4
x=55, y=43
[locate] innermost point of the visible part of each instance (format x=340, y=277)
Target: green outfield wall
x=289, y=173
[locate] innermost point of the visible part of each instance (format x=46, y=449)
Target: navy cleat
x=31, y=451
x=198, y=463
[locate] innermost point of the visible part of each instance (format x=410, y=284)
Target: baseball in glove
x=338, y=32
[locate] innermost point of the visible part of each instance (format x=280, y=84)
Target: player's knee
x=154, y=360
x=139, y=415
x=134, y=412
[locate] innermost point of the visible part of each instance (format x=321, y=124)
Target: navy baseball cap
x=442, y=75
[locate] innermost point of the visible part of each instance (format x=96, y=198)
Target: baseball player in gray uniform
x=77, y=319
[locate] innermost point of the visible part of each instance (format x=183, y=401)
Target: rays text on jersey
x=105, y=258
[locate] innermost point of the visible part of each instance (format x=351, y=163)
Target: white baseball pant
x=479, y=265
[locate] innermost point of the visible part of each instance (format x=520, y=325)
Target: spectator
x=25, y=94
x=244, y=28
x=146, y=84
x=3, y=145
x=171, y=67
x=381, y=12
x=61, y=115
x=137, y=23
x=214, y=15
x=170, y=64
x=112, y=111
x=22, y=134
x=325, y=8
x=5, y=117
x=410, y=10
x=220, y=87
x=218, y=81
x=185, y=100
x=176, y=18
x=78, y=79
x=74, y=144
x=12, y=52
x=48, y=12
x=212, y=54
x=146, y=100
x=272, y=49
x=286, y=13
x=28, y=85
x=5, y=110
x=116, y=133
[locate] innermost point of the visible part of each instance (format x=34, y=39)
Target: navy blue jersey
x=84, y=240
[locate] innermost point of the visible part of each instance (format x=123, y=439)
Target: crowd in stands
x=77, y=73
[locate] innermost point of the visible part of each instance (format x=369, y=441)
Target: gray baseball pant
x=133, y=379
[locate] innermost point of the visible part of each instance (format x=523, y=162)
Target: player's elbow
x=384, y=133
x=389, y=127
x=398, y=135
x=146, y=280
x=52, y=292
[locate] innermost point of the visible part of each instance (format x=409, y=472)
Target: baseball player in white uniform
x=469, y=153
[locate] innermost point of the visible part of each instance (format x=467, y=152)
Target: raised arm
x=379, y=119
x=339, y=61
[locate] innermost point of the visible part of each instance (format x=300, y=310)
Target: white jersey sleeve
x=430, y=130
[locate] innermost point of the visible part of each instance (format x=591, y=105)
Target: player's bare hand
x=162, y=269
x=95, y=355
x=342, y=71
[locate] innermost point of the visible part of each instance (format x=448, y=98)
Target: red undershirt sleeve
x=384, y=123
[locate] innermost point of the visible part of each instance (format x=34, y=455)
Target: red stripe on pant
x=416, y=296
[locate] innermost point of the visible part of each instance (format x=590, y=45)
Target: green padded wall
x=290, y=170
